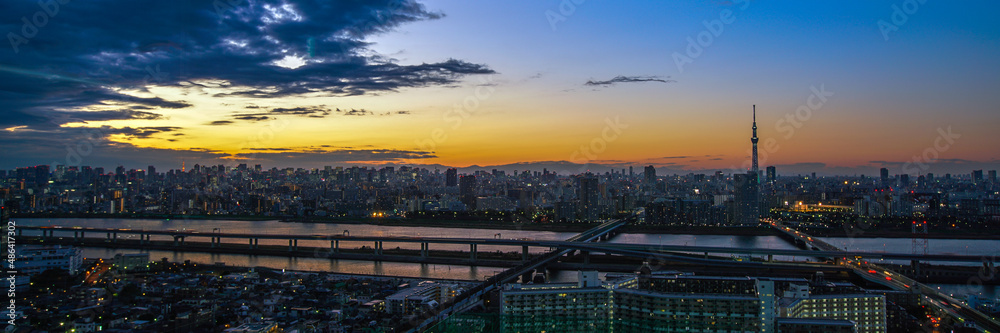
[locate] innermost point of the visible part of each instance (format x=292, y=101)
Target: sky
x=840, y=88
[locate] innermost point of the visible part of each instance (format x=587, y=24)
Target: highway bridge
x=883, y=276
x=473, y=296
x=581, y=242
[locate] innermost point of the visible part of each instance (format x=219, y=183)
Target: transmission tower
x=919, y=237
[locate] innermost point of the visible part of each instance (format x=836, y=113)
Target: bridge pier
x=586, y=256
x=472, y=251
x=524, y=253
x=424, y=249
x=293, y=245
x=335, y=246
x=770, y=258
x=378, y=248
x=178, y=241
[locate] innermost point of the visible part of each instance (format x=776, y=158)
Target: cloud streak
x=627, y=79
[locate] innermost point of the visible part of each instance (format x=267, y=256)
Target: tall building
x=772, y=174
x=589, y=196
x=747, y=198
x=649, y=174
x=451, y=177
x=885, y=175
x=467, y=191
x=42, y=175
x=993, y=176
x=747, y=187
x=977, y=176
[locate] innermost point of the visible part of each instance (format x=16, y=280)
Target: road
x=897, y=281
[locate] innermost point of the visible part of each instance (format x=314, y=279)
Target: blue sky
x=888, y=97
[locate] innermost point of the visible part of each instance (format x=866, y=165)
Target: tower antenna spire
x=754, y=140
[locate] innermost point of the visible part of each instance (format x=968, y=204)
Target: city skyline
x=844, y=89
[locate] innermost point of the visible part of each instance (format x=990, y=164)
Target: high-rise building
x=977, y=176
x=42, y=175
x=467, y=191
x=772, y=174
x=649, y=174
x=993, y=176
x=747, y=198
x=589, y=196
x=904, y=180
x=884, y=172
x=451, y=177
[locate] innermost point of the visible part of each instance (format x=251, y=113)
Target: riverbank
x=554, y=227
x=142, y=216
x=937, y=234
x=465, y=224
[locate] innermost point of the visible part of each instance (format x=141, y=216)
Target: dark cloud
x=60, y=117
x=90, y=50
x=90, y=146
x=251, y=117
x=318, y=111
x=303, y=111
x=354, y=112
x=627, y=79
x=145, y=132
x=220, y=122
x=326, y=156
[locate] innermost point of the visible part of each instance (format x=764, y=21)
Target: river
x=935, y=246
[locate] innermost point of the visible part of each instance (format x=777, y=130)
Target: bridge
x=582, y=242
x=880, y=275
x=471, y=297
